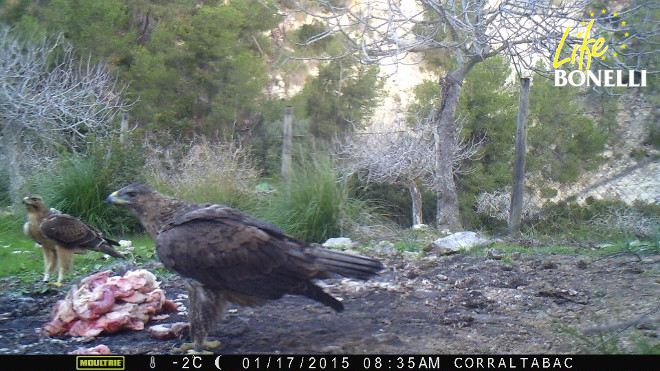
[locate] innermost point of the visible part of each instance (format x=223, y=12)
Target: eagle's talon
x=193, y=351
x=189, y=348
x=212, y=344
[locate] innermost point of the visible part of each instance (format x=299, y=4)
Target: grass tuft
x=205, y=172
x=315, y=205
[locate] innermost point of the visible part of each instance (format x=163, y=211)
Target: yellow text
x=596, y=49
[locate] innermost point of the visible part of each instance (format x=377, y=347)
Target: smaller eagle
x=61, y=236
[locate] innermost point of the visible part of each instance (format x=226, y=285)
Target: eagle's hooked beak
x=114, y=199
x=30, y=200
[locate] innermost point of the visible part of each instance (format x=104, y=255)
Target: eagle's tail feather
x=107, y=249
x=111, y=242
x=348, y=265
x=314, y=292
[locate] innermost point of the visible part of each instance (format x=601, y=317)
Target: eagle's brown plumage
x=61, y=236
x=227, y=255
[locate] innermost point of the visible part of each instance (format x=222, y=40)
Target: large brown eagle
x=228, y=256
x=61, y=236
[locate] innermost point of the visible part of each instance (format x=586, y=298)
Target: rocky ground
x=461, y=303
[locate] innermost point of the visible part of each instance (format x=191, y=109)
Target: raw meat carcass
x=107, y=304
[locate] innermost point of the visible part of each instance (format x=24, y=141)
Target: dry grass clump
x=204, y=171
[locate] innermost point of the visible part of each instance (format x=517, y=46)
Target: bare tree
x=471, y=30
x=50, y=100
x=402, y=156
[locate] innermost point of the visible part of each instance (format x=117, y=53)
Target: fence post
x=286, y=144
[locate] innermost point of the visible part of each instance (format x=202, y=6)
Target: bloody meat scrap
x=104, y=303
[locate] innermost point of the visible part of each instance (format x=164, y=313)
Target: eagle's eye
x=131, y=194
x=34, y=199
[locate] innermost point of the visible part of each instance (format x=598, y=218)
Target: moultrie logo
x=595, y=48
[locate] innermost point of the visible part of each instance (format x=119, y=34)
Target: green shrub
x=316, y=205
x=599, y=221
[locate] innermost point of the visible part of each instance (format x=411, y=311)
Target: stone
x=455, y=242
x=386, y=248
x=494, y=254
x=339, y=243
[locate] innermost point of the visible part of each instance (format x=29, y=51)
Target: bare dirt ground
x=451, y=304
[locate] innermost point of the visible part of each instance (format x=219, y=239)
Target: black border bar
x=301, y=362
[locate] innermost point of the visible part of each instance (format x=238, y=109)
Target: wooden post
x=286, y=144
x=517, y=191
x=123, y=130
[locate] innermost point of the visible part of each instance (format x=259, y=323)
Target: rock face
x=636, y=183
x=456, y=241
x=631, y=167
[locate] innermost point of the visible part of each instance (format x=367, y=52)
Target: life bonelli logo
x=582, y=55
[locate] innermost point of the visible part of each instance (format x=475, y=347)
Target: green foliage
x=191, y=68
x=426, y=98
x=415, y=240
x=316, y=205
x=159, y=102
x=268, y=134
x=19, y=255
x=488, y=108
x=563, y=141
x=309, y=33
x=609, y=342
x=639, y=22
x=13, y=11
x=340, y=97
x=224, y=62
x=607, y=107
x=100, y=27
x=598, y=221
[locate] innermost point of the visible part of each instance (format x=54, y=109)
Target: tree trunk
x=16, y=179
x=517, y=190
x=416, y=196
x=447, y=213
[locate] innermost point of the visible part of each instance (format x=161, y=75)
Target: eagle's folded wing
x=73, y=233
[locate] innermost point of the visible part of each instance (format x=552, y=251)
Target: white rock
x=460, y=240
x=339, y=242
x=386, y=247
